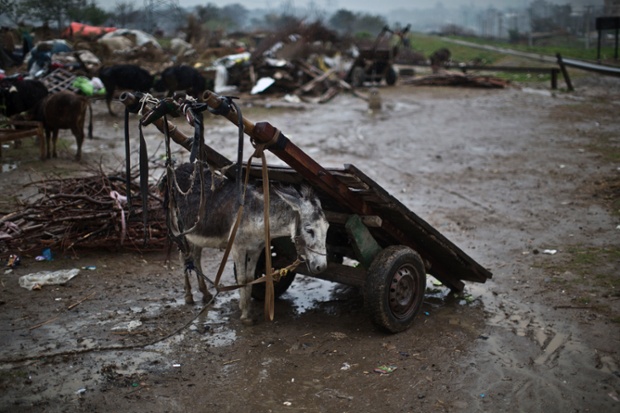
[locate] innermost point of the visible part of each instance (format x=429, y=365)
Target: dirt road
x=522, y=180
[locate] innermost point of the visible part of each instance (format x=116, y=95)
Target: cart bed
x=396, y=225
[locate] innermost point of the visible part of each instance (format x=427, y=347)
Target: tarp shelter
x=84, y=30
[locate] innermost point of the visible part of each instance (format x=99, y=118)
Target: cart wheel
x=390, y=76
x=394, y=288
x=358, y=76
x=279, y=259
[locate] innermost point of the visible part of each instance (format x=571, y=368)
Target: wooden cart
x=377, y=61
x=393, y=249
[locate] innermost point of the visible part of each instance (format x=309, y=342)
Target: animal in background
x=181, y=78
x=18, y=96
x=64, y=110
x=124, y=76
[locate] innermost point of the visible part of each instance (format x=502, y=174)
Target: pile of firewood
x=82, y=213
x=458, y=79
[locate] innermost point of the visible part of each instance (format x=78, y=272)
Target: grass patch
x=607, y=144
x=567, y=46
x=588, y=275
x=426, y=45
x=593, y=266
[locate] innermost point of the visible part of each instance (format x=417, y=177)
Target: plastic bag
x=36, y=280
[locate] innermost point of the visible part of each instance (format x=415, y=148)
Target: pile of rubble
x=309, y=63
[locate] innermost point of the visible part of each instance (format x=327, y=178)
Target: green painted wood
x=364, y=244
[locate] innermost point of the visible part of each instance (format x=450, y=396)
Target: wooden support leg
x=364, y=245
x=569, y=84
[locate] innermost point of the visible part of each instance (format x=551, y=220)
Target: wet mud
x=510, y=176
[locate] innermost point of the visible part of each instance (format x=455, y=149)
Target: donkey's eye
x=310, y=232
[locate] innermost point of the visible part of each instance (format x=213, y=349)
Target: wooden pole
x=569, y=84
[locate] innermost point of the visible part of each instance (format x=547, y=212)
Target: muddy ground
x=510, y=176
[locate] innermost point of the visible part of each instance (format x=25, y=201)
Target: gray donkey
x=295, y=212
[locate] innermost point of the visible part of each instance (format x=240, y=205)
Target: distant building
x=612, y=7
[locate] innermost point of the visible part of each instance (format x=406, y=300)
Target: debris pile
x=303, y=61
x=81, y=213
x=458, y=79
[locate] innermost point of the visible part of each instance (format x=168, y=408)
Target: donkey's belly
x=207, y=242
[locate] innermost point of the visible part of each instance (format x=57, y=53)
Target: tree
x=208, y=12
x=87, y=12
x=277, y=22
x=343, y=21
x=235, y=14
x=10, y=9
x=48, y=10
x=370, y=23
x=124, y=13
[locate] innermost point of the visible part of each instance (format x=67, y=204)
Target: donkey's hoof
x=189, y=299
x=247, y=321
x=207, y=298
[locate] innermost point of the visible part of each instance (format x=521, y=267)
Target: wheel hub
x=402, y=292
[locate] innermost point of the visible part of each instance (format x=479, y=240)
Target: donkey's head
x=311, y=226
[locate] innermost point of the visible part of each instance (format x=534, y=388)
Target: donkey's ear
x=288, y=195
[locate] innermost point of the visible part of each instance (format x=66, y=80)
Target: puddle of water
x=401, y=106
x=7, y=167
x=307, y=293
x=541, y=92
x=222, y=336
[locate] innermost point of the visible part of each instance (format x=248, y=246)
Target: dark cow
x=64, y=110
x=17, y=96
x=125, y=76
x=181, y=78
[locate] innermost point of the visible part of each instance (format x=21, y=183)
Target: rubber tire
x=390, y=76
x=394, y=309
x=280, y=287
x=358, y=76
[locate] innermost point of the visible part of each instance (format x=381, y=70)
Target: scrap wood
x=79, y=213
x=320, y=77
x=311, y=84
x=457, y=79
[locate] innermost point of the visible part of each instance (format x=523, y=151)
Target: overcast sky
x=370, y=6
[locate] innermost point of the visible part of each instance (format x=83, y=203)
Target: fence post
x=569, y=84
x=554, y=78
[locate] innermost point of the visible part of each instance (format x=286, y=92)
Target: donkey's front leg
x=189, y=299
x=245, y=261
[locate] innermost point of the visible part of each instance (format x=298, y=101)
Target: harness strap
x=169, y=197
x=276, y=275
x=233, y=233
x=127, y=161
x=269, y=277
x=269, y=291
x=144, y=183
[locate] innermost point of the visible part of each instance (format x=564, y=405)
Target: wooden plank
x=372, y=221
x=448, y=262
x=311, y=84
x=364, y=245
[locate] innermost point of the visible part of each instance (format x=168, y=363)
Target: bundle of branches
x=82, y=213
